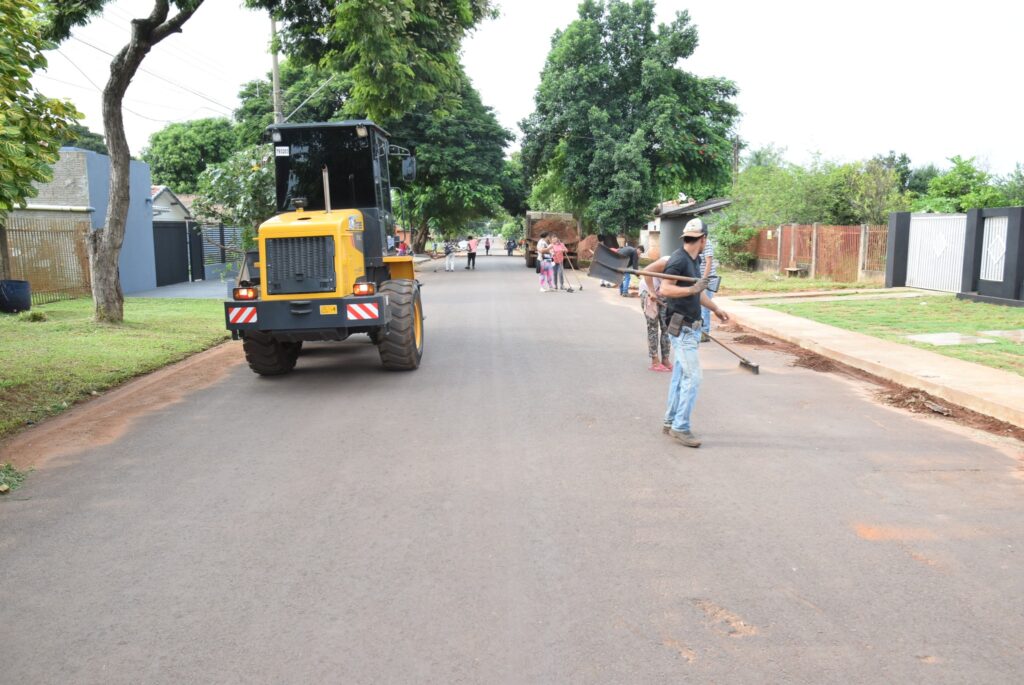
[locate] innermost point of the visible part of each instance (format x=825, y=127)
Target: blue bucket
x=15, y=296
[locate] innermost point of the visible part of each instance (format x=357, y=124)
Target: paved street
x=511, y=513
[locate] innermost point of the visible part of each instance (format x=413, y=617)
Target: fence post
x=862, y=259
x=5, y=254
x=778, y=248
x=223, y=252
x=814, y=250
x=792, y=244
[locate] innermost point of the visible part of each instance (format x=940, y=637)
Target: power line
x=86, y=76
x=162, y=78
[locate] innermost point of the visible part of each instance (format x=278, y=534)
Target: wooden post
x=778, y=248
x=814, y=250
x=5, y=254
x=792, y=245
x=862, y=259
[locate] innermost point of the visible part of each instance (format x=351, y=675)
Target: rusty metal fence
x=51, y=254
x=840, y=253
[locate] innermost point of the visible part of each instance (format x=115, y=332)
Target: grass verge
x=47, y=366
x=10, y=478
x=895, y=319
x=735, y=282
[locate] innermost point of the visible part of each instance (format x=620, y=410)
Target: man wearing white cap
x=683, y=308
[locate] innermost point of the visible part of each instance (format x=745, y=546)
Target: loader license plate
x=326, y=309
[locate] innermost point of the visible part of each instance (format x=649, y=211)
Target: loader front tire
x=401, y=347
x=268, y=356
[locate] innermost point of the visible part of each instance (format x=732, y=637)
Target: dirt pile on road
x=751, y=340
x=815, y=362
x=587, y=247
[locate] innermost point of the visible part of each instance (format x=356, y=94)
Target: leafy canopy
x=31, y=124
x=962, y=187
x=398, y=53
x=617, y=125
x=178, y=153
x=461, y=166
x=239, y=191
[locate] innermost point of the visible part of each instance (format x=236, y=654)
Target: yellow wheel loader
x=322, y=270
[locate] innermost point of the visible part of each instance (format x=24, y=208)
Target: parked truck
x=563, y=225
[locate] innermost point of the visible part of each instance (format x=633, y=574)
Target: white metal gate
x=993, y=250
x=935, y=256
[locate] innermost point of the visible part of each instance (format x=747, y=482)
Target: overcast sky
x=848, y=80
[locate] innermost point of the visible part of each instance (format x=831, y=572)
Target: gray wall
x=138, y=261
x=672, y=234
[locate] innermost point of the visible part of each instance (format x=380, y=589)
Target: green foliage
x=81, y=137
x=460, y=160
x=513, y=186
x=178, y=153
x=10, y=478
x=31, y=125
x=917, y=183
x=963, y=187
x=399, y=55
x=298, y=82
x=1012, y=186
x=239, y=191
x=617, y=125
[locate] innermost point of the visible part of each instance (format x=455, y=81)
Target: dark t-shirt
x=682, y=264
x=634, y=256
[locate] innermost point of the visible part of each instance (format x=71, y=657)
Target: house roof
x=667, y=211
x=156, y=191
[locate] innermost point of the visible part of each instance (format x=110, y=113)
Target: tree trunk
x=419, y=238
x=105, y=244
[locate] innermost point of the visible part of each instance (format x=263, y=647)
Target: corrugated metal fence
x=51, y=254
x=840, y=253
x=221, y=244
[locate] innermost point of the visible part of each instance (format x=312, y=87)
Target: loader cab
x=355, y=156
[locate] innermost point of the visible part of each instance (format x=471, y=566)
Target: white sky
x=849, y=80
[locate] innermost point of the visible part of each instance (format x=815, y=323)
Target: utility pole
x=275, y=70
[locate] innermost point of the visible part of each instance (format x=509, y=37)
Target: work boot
x=704, y=337
x=666, y=427
x=685, y=437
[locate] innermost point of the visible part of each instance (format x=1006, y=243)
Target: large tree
x=459, y=151
x=963, y=187
x=179, y=152
x=398, y=53
x=31, y=124
x=81, y=137
x=146, y=32
x=619, y=124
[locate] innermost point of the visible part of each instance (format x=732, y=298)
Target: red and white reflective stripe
x=363, y=311
x=242, y=314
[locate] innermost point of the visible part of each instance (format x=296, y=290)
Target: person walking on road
x=654, y=314
x=450, y=248
x=510, y=245
x=682, y=305
x=487, y=247
x=471, y=252
x=634, y=261
x=558, y=250
x=707, y=257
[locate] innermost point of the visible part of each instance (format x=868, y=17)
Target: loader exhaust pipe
x=327, y=190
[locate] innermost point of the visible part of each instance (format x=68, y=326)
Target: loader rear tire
x=268, y=356
x=401, y=347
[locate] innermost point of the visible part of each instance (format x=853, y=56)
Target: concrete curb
x=994, y=393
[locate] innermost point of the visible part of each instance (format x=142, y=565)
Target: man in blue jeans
x=685, y=301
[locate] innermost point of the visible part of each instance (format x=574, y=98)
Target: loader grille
x=300, y=265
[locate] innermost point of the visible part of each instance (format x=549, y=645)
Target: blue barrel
x=15, y=296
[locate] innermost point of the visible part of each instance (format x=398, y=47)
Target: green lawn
x=736, y=282
x=894, y=319
x=46, y=366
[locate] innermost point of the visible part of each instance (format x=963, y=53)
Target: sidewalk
x=999, y=394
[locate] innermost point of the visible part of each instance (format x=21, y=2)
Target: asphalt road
x=511, y=513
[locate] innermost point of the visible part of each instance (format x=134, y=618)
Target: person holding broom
x=682, y=307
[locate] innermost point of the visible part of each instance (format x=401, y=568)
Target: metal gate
x=178, y=253
x=935, y=254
